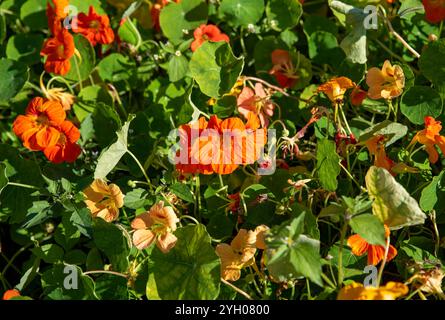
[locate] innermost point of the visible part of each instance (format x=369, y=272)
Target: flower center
x=42, y=120
x=61, y=51
x=94, y=24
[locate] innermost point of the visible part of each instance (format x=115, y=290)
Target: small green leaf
x=370, y=228
x=392, y=130
x=25, y=47
x=14, y=75
x=241, y=12
x=419, y=102
x=177, y=68
x=429, y=196
x=183, y=191
x=81, y=68
x=283, y=14
x=328, y=164
x=50, y=253
x=215, y=68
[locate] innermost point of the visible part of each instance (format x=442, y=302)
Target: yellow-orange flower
x=9, y=294
x=335, y=88
x=387, y=83
x=356, y=291
x=376, y=147
x=430, y=136
x=104, y=200
x=58, y=94
x=241, y=251
x=376, y=253
x=156, y=225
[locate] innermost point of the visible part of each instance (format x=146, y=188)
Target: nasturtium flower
x=335, y=88
x=283, y=68
x=356, y=291
x=56, y=11
x=157, y=225
x=58, y=94
x=241, y=251
x=38, y=128
x=58, y=51
x=258, y=102
x=104, y=200
x=376, y=148
x=430, y=137
x=9, y=294
x=208, y=32
x=429, y=281
x=357, y=96
x=66, y=148
x=376, y=253
x=434, y=10
x=96, y=28
x=387, y=83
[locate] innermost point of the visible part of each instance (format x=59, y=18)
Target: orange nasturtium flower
x=430, y=136
x=219, y=146
x=434, y=10
x=335, y=88
x=66, y=149
x=104, y=200
x=56, y=11
x=283, y=69
x=241, y=251
x=356, y=291
x=376, y=253
x=58, y=51
x=38, y=128
x=387, y=83
x=376, y=147
x=208, y=32
x=9, y=294
x=156, y=225
x=96, y=28
x=257, y=101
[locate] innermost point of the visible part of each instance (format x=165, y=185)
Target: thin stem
x=21, y=185
x=14, y=257
x=142, y=169
x=241, y=292
x=382, y=266
x=189, y=217
x=78, y=72
x=340, y=253
x=197, y=210
x=400, y=38
x=436, y=232
x=106, y=272
x=327, y=280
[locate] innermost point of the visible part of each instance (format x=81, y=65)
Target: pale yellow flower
x=387, y=83
x=104, y=200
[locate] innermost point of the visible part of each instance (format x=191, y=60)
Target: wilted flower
x=387, y=83
x=376, y=253
x=429, y=281
x=156, y=225
x=356, y=291
x=58, y=94
x=104, y=200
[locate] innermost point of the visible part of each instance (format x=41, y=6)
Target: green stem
x=106, y=272
x=198, y=198
x=21, y=185
x=142, y=169
x=189, y=217
x=78, y=72
x=340, y=253
x=382, y=266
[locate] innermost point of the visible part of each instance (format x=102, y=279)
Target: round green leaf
x=177, y=68
x=81, y=68
x=13, y=76
x=190, y=271
x=432, y=62
x=178, y=19
x=323, y=48
x=283, y=14
x=33, y=14
x=115, y=67
x=25, y=47
x=242, y=12
x=419, y=102
x=215, y=68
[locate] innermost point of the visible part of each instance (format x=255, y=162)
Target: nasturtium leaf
x=323, y=48
x=113, y=154
x=38, y=213
x=128, y=33
x=3, y=177
x=190, y=271
x=77, y=257
x=291, y=254
x=110, y=287
x=105, y=120
x=87, y=99
x=328, y=164
x=67, y=282
x=81, y=219
x=313, y=23
x=283, y=14
x=82, y=67
x=215, y=68
x=430, y=193
x=392, y=203
x=50, y=253
x=67, y=235
x=177, y=68
x=392, y=131
x=14, y=75
x=241, y=12
x=432, y=62
x=137, y=198
x=83, y=6
x=33, y=14
x=419, y=102
x=182, y=191
x=111, y=240
x=352, y=265
x=28, y=275
x=115, y=67
x=178, y=20
x=25, y=47
x=225, y=106
x=369, y=227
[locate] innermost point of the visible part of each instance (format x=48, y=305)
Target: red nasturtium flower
x=430, y=137
x=58, y=51
x=66, y=149
x=283, y=69
x=376, y=253
x=208, y=32
x=357, y=96
x=434, y=10
x=38, y=128
x=56, y=11
x=96, y=28
x=219, y=146
x=9, y=294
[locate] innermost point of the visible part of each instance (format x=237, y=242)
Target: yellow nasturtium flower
x=104, y=200
x=356, y=291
